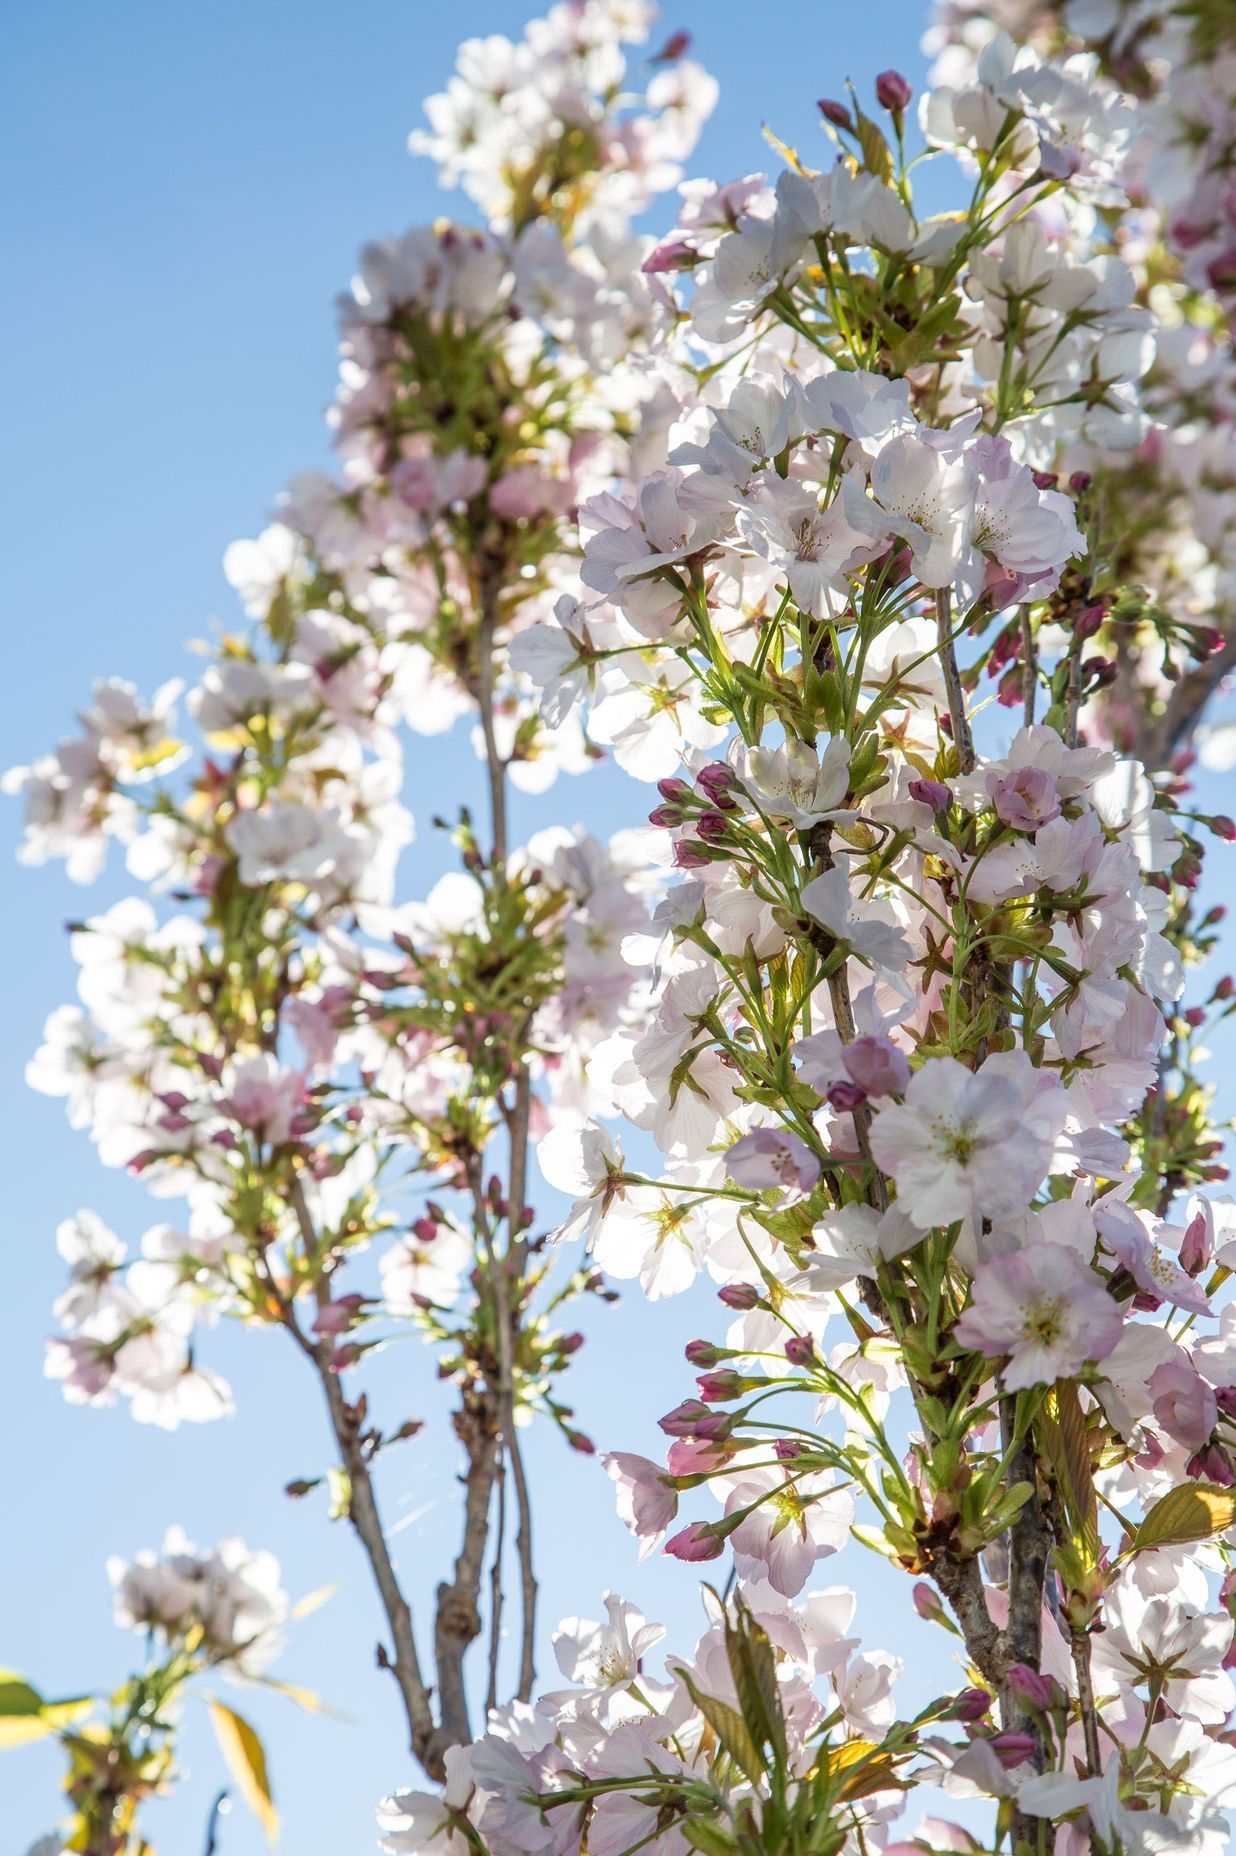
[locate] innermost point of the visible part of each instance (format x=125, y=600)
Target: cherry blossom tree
x=886, y=999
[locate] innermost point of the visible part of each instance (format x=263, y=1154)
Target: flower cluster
x=200, y=1614
x=910, y=1003
x=312, y=1066
x=892, y=982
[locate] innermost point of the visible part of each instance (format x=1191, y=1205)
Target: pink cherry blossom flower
x=960, y=1145
x=1184, y=1404
x=1025, y=798
x=795, y=1522
x=645, y=1495
x=1043, y=1308
x=773, y=1159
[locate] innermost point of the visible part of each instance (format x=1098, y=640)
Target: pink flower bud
x=877, y=1066
x=715, y=1388
x=695, y=1543
x=1013, y=1750
x=1036, y=1691
x=1211, y=1465
x=1223, y=827
x=971, y=1704
x=739, y=1295
x=892, y=91
x=719, y=782
x=800, y=1350
x=929, y=1605
x=1025, y=799
x=1195, y=1246
x=674, y=790
x=693, y=1419
x=702, y=1353
x=337, y=1317
x=836, y=113
x=846, y=1097
x=933, y=793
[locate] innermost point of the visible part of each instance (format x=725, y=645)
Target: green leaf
x=16, y=1695
x=25, y=1716
x=754, y=1671
x=1197, y=1511
x=1067, y=1446
x=706, y=1835
x=877, y=156
x=730, y=1729
x=246, y=1761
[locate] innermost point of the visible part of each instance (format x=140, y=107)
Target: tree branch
x=366, y=1521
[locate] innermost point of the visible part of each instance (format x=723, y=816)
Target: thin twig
x=1080, y=1640
x=488, y=580
x=843, y=1012
x=367, y=1522
x=963, y=741
x=495, y=1592
x=516, y=1194
x=1031, y=672
x=213, y=1822
x=1072, y=701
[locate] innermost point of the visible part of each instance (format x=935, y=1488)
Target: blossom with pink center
x=645, y=1496
x=1045, y=1310
x=1184, y=1404
x=794, y=1521
x=876, y=1066
x=1025, y=798
x=773, y=1159
x=960, y=1145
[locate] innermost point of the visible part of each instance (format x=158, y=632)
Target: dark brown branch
x=1030, y=1542
x=457, y=1612
x=1185, y=705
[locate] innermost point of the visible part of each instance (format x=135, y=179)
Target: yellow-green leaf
x=788, y=155
x=246, y=1761
x=25, y=1716
x=20, y=1730
x=1196, y=1511
x=313, y=1600
x=303, y=1697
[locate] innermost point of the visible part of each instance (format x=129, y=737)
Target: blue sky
x=192, y=185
